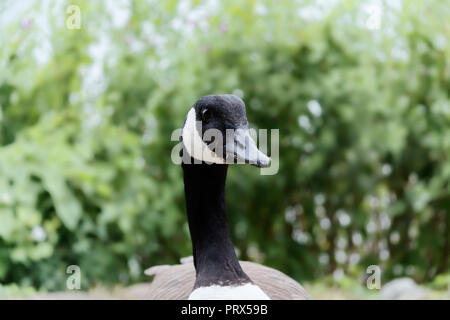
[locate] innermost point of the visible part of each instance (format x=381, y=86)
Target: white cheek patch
x=194, y=144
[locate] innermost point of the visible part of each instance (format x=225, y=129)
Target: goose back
x=175, y=282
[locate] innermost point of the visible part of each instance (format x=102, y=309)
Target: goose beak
x=243, y=149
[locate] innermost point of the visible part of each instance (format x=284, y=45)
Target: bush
x=362, y=103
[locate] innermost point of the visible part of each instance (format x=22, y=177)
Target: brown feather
x=175, y=282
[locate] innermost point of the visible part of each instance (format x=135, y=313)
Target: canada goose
x=218, y=273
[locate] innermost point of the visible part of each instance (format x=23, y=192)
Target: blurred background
x=360, y=91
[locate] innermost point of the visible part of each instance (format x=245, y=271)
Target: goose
x=214, y=271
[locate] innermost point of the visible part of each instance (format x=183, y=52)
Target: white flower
x=338, y=274
x=386, y=169
x=315, y=108
x=357, y=238
x=354, y=258
x=290, y=215
x=384, y=254
x=371, y=227
x=344, y=218
x=261, y=9
x=395, y=237
x=323, y=258
x=300, y=236
x=305, y=123
x=325, y=223
x=38, y=234
x=5, y=198
x=340, y=256
x=239, y=93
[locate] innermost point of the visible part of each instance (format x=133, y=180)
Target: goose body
x=221, y=120
x=175, y=282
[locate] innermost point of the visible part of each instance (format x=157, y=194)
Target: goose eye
x=206, y=114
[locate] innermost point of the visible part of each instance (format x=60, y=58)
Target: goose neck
x=214, y=256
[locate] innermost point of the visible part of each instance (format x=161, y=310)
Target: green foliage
x=364, y=118
x=13, y=291
x=442, y=282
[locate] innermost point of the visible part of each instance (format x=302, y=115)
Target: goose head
x=216, y=133
x=216, y=130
